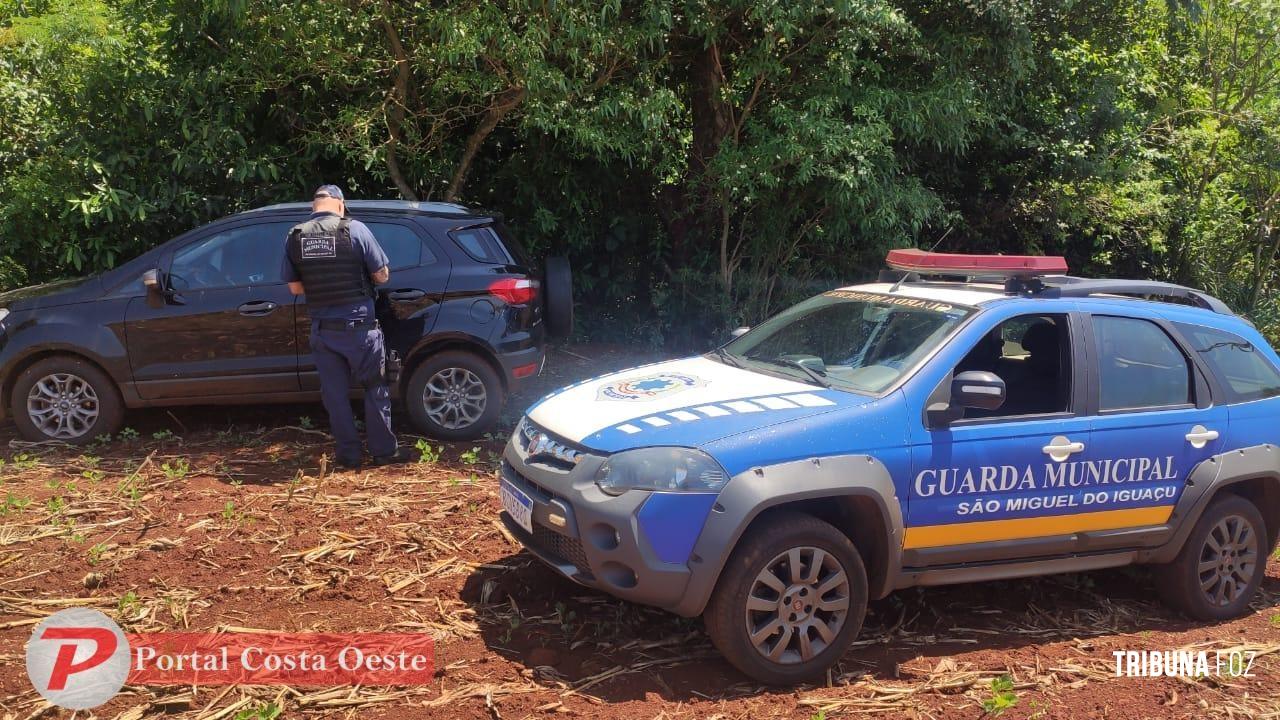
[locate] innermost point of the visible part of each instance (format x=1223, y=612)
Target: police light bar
x=931, y=263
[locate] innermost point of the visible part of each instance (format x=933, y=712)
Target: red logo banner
x=299, y=659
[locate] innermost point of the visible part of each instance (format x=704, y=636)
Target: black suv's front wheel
x=454, y=395
x=790, y=600
x=65, y=399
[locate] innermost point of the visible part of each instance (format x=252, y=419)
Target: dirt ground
x=199, y=519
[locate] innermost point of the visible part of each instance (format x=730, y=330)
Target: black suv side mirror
x=978, y=389
x=159, y=293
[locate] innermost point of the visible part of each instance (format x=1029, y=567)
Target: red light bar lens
x=943, y=263
x=515, y=291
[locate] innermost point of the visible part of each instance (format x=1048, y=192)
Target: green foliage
x=266, y=711
x=1001, y=697
x=176, y=469
x=427, y=453
x=471, y=457
x=702, y=163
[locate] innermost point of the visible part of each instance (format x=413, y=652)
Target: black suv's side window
x=1139, y=366
x=235, y=257
x=1032, y=354
x=1244, y=372
x=402, y=245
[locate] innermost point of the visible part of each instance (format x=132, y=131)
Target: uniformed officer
x=336, y=261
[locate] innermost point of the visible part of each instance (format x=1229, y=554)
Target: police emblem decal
x=649, y=387
x=319, y=246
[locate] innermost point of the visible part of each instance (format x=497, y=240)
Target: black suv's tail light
x=515, y=291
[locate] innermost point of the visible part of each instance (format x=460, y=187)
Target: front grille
x=546, y=449
x=520, y=479
x=563, y=547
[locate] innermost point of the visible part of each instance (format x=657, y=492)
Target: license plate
x=517, y=504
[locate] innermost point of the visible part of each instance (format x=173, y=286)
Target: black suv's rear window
x=1245, y=372
x=491, y=243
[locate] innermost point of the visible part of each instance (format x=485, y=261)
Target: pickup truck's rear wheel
x=790, y=600
x=65, y=399
x=1218, y=570
x=454, y=395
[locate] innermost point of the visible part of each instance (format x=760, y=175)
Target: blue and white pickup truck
x=968, y=418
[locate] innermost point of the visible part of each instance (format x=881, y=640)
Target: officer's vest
x=329, y=263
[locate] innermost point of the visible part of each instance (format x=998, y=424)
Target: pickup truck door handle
x=406, y=295
x=1061, y=448
x=258, y=308
x=1201, y=436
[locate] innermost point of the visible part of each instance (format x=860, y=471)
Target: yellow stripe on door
x=992, y=530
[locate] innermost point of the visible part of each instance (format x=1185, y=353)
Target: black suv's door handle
x=406, y=295
x=258, y=308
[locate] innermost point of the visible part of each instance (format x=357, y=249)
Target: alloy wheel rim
x=797, y=605
x=63, y=406
x=1228, y=560
x=455, y=398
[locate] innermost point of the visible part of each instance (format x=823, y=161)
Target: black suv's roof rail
x=1065, y=286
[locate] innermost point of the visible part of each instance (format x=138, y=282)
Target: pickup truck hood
x=59, y=292
x=688, y=403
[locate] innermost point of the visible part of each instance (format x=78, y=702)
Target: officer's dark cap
x=328, y=191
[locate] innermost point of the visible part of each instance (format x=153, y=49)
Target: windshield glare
x=854, y=340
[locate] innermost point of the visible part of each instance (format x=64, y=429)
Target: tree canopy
x=702, y=163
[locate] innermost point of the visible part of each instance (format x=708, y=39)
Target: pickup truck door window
x=1002, y=475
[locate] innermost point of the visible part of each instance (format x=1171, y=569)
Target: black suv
x=206, y=319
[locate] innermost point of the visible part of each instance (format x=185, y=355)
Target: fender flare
x=1205, y=482
x=100, y=347
x=450, y=340
x=755, y=491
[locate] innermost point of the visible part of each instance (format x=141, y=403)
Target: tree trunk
x=396, y=111
x=504, y=103
x=711, y=125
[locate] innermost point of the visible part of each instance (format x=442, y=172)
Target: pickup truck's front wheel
x=790, y=600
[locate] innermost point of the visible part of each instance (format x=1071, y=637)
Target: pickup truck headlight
x=669, y=469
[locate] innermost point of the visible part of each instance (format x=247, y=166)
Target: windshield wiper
x=726, y=358
x=818, y=376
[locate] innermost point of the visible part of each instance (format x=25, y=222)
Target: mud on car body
x=969, y=419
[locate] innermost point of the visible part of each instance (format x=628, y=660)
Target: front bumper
x=598, y=543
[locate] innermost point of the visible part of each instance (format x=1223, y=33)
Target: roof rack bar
x=1067, y=287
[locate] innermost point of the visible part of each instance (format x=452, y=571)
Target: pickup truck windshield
x=847, y=339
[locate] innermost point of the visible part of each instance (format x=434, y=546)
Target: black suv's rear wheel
x=65, y=399
x=790, y=600
x=454, y=395
x=1218, y=570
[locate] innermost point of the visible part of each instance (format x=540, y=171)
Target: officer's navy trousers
x=354, y=357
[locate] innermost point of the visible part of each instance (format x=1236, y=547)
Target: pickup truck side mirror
x=152, y=280
x=978, y=389
x=970, y=389
x=739, y=332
